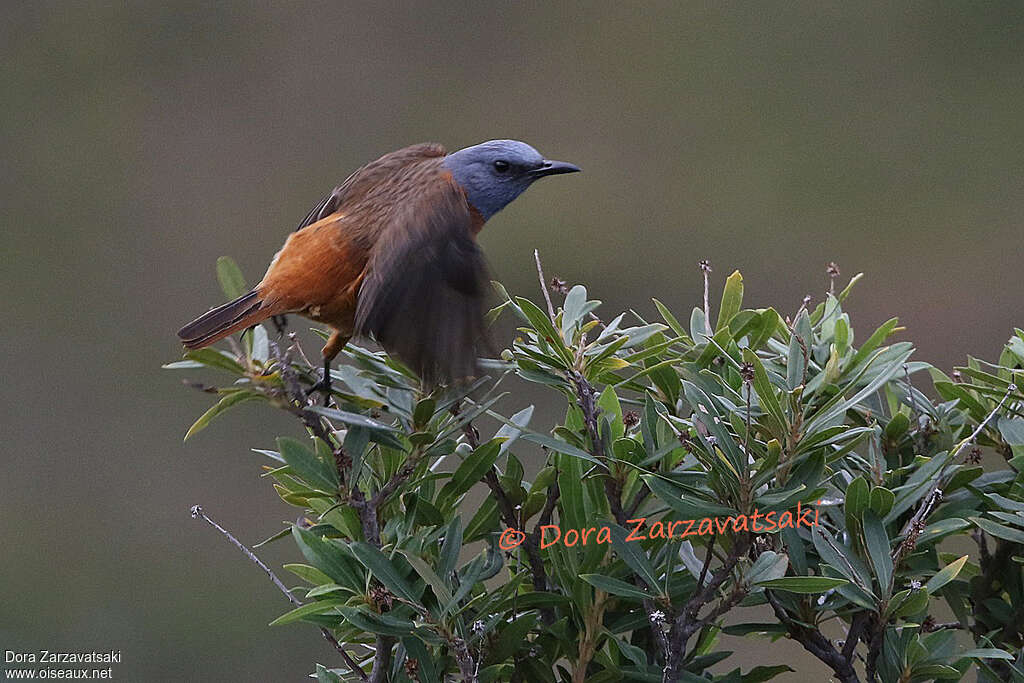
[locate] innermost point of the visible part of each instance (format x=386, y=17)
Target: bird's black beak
x=554, y=168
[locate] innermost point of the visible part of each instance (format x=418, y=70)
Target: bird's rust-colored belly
x=317, y=274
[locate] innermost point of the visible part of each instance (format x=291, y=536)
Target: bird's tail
x=212, y=326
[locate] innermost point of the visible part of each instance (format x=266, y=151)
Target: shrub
x=740, y=461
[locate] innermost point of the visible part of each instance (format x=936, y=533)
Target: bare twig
x=197, y=513
x=544, y=285
x=915, y=524
x=942, y=626
x=832, y=270
x=705, y=269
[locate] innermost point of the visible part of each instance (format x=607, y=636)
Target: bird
x=391, y=253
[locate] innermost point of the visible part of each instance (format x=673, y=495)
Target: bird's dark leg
x=280, y=324
x=324, y=384
x=331, y=349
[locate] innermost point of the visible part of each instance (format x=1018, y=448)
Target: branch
x=874, y=651
x=511, y=519
x=814, y=642
x=381, y=659
x=687, y=623
x=197, y=513
x=857, y=624
x=915, y=524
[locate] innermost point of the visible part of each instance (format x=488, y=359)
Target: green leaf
x=873, y=342
x=573, y=309
x=799, y=353
x=770, y=322
x=418, y=651
x=945, y=575
x=766, y=396
x=803, y=584
x=325, y=675
x=383, y=569
x=907, y=603
x=838, y=406
x=511, y=638
x=222, y=406
x=328, y=558
x=857, y=500
x=732, y=299
x=230, y=277
x=918, y=484
x=882, y=500
x=542, y=324
x=353, y=419
x=469, y=472
x=877, y=543
x=987, y=653
x=299, y=613
x=608, y=402
x=998, y=530
x=844, y=560
x=560, y=446
x=688, y=506
x=383, y=624
x=511, y=430
x=423, y=412
x=934, y=672
x=673, y=323
x=449, y=555
x=307, y=465
x=427, y=573
x=310, y=575
x=941, y=529
x=633, y=555
x=615, y=586
x=212, y=358
x=572, y=511
x=769, y=565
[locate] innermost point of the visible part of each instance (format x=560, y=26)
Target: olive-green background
x=140, y=142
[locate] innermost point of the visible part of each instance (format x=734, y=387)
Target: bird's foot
x=324, y=385
x=280, y=324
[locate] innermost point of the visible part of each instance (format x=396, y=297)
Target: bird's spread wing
x=423, y=295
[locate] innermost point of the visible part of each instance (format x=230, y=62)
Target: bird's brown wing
x=323, y=208
x=363, y=178
x=423, y=293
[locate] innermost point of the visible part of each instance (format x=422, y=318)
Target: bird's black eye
x=501, y=166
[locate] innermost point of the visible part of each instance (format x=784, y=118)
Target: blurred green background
x=141, y=142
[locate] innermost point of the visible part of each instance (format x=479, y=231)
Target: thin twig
x=929, y=502
x=544, y=285
x=197, y=513
x=942, y=626
x=705, y=269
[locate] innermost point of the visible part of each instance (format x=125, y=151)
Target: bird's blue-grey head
x=495, y=172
